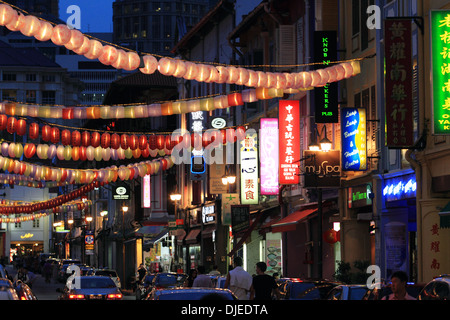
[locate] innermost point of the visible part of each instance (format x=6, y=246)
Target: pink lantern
x=348, y=69
x=191, y=70
x=332, y=74
x=84, y=48
x=16, y=22
x=167, y=66
x=340, y=72
x=214, y=74
x=109, y=55
x=45, y=31
x=316, y=79
x=271, y=80
x=76, y=40
x=30, y=26
x=252, y=79
x=7, y=14
x=119, y=63
x=307, y=79
x=262, y=80
x=203, y=73
x=95, y=50
x=61, y=35
x=180, y=70
x=290, y=80
x=243, y=76
x=133, y=61
x=281, y=80
x=324, y=77
x=233, y=75
x=223, y=74
x=151, y=64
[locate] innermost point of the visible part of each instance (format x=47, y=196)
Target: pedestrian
x=141, y=271
x=47, y=270
x=238, y=280
x=22, y=275
x=190, y=279
x=214, y=271
x=202, y=280
x=263, y=285
x=398, y=285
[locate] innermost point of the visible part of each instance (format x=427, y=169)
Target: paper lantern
x=67, y=113
x=235, y=99
x=51, y=152
x=61, y=34
x=307, y=79
x=348, y=69
x=290, y=80
x=16, y=22
x=29, y=150
x=90, y=153
x=166, y=109
x=85, y=139
x=76, y=138
x=115, y=141
x=150, y=63
x=233, y=75
x=76, y=40
x=332, y=74
x=133, y=142
x=31, y=26
x=98, y=154
x=75, y=153
x=93, y=112
x=11, y=152
x=133, y=60
x=95, y=139
x=167, y=66
x=84, y=48
x=262, y=79
x=271, y=80
x=136, y=153
x=105, y=140
x=41, y=151
x=191, y=70
x=249, y=95
x=203, y=73
x=324, y=77
x=11, y=125
x=340, y=72
x=243, y=76
x=180, y=70
x=120, y=61
x=145, y=152
x=95, y=49
x=331, y=236
x=160, y=142
x=67, y=153
x=207, y=104
x=3, y=121
x=54, y=135
x=356, y=67
x=221, y=102
x=252, y=79
x=124, y=141
x=106, y=154
x=6, y=14
x=60, y=152
x=152, y=142
x=109, y=55
x=21, y=127
x=65, y=137
x=240, y=133
x=83, y=156
x=223, y=74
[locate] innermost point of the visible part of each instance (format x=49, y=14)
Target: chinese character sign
x=249, y=168
x=146, y=189
x=440, y=59
x=289, y=141
x=268, y=148
x=228, y=200
x=353, y=131
x=398, y=83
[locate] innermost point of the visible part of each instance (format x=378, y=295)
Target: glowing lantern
x=167, y=66
x=331, y=236
x=31, y=26
x=150, y=63
x=252, y=79
x=223, y=74
x=90, y=153
x=307, y=79
x=85, y=139
x=76, y=40
x=124, y=141
x=213, y=74
x=152, y=142
x=115, y=141
x=76, y=138
x=75, y=153
x=243, y=76
x=95, y=49
x=203, y=74
x=249, y=95
x=109, y=55
x=356, y=67
x=11, y=125
x=98, y=154
x=262, y=79
x=3, y=121
x=54, y=135
x=51, y=152
x=221, y=102
x=281, y=81
x=83, y=156
x=207, y=104
x=348, y=69
x=235, y=99
x=290, y=80
x=21, y=127
x=180, y=70
x=95, y=139
x=92, y=112
x=166, y=109
x=340, y=72
x=191, y=70
x=7, y=14
x=84, y=48
x=60, y=152
x=133, y=142
x=271, y=80
x=106, y=154
x=61, y=35
x=29, y=150
x=233, y=75
x=132, y=61
x=16, y=22
x=33, y=131
x=332, y=74
x=105, y=140
x=324, y=77
x=67, y=113
x=119, y=63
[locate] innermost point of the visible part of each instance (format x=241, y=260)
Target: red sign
x=289, y=141
x=399, y=83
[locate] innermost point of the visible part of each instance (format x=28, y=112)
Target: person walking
x=202, y=280
x=399, y=280
x=238, y=280
x=189, y=282
x=47, y=270
x=263, y=285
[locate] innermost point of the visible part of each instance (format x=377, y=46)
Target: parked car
x=436, y=289
x=144, y=286
x=7, y=291
x=304, y=289
x=166, y=280
x=3, y=273
x=412, y=288
x=23, y=291
x=90, y=288
x=108, y=273
x=192, y=294
x=348, y=292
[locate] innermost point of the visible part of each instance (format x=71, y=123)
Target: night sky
x=96, y=15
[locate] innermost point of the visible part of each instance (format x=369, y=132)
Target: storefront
x=26, y=242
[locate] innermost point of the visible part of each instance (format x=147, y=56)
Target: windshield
x=91, y=283
x=106, y=273
x=166, y=280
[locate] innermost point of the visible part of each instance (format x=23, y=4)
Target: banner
x=398, y=83
x=353, y=139
x=322, y=169
x=289, y=141
x=268, y=148
x=249, y=168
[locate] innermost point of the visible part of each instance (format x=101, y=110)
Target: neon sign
x=400, y=188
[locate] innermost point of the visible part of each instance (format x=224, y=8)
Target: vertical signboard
x=249, y=168
x=228, y=200
x=353, y=139
x=268, y=148
x=289, y=141
x=89, y=242
x=326, y=97
x=440, y=60
x=240, y=217
x=398, y=83
x=146, y=191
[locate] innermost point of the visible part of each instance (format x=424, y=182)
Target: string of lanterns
x=27, y=181
x=118, y=58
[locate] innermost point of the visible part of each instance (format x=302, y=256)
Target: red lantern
x=67, y=113
x=331, y=236
x=95, y=139
x=105, y=140
x=54, y=136
x=152, y=142
x=133, y=142
x=29, y=150
x=124, y=141
x=85, y=139
x=143, y=142
x=168, y=142
x=46, y=132
x=223, y=133
x=65, y=137
x=76, y=138
x=3, y=121
x=160, y=142
x=11, y=125
x=115, y=141
x=21, y=127
x=240, y=133
x=83, y=155
x=145, y=152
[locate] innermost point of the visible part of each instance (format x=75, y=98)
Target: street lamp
x=175, y=196
x=88, y=219
x=324, y=145
x=125, y=208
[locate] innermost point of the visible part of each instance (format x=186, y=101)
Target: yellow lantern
x=207, y=104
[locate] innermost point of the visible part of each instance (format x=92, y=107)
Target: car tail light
x=76, y=296
x=23, y=298
x=115, y=296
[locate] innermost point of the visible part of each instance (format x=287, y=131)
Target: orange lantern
x=21, y=127
x=29, y=150
x=95, y=49
x=3, y=121
x=61, y=34
x=109, y=55
x=235, y=99
x=160, y=142
x=75, y=153
x=7, y=14
x=143, y=144
x=133, y=142
x=331, y=236
x=45, y=31
x=30, y=26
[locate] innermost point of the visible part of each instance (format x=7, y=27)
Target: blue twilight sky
x=95, y=15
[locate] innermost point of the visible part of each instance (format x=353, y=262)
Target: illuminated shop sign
x=268, y=147
x=249, y=168
x=146, y=191
x=289, y=141
x=353, y=131
x=400, y=188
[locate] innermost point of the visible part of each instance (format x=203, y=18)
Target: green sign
x=440, y=59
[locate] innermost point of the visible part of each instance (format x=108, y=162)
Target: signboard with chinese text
x=249, y=168
x=326, y=97
x=89, y=242
x=268, y=148
x=146, y=191
x=289, y=141
x=399, y=83
x=228, y=200
x=322, y=169
x=440, y=60
x=353, y=140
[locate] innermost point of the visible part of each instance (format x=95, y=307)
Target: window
x=156, y=6
x=30, y=77
x=17, y=225
x=49, y=97
x=156, y=27
x=10, y=95
x=30, y=96
x=9, y=77
x=36, y=223
x=355, y=17
x=48, y=78
x=167, y=26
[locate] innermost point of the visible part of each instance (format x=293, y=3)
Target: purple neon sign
x=269, y=156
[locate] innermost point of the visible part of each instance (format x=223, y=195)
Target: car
x=7, y=291
x=384, y=289
x=108, y=273
x=68, y=269
x=90, y=288
x=218, y=281
x=3, y=272
x=23, y=291
x=304, y=289
x=348, y=292
x=167, y=280
x=436, y=289
x=144, y=286
x=192, y=294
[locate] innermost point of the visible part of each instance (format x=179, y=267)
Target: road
x=47, y=291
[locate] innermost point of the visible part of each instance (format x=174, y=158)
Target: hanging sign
x=146, y=191
x=289, y=141
x=398, y=83
x=228, y=200
x=322, y=169
x=249, y=168
x=268, y=148
x=326, y=97
x=89, y=242
x=240, y=217
x=353, y=139
x=440, y=61
x=121, y=192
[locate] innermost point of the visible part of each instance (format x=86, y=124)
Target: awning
x=208, y=231
x=444, y=216
x=179, y=235
x=150, y=231
x=290, y=222
x=192, y=236
x=149, y=242
x=246, y=235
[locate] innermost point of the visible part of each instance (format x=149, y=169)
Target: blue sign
x=353, y=139
x=403, y=187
